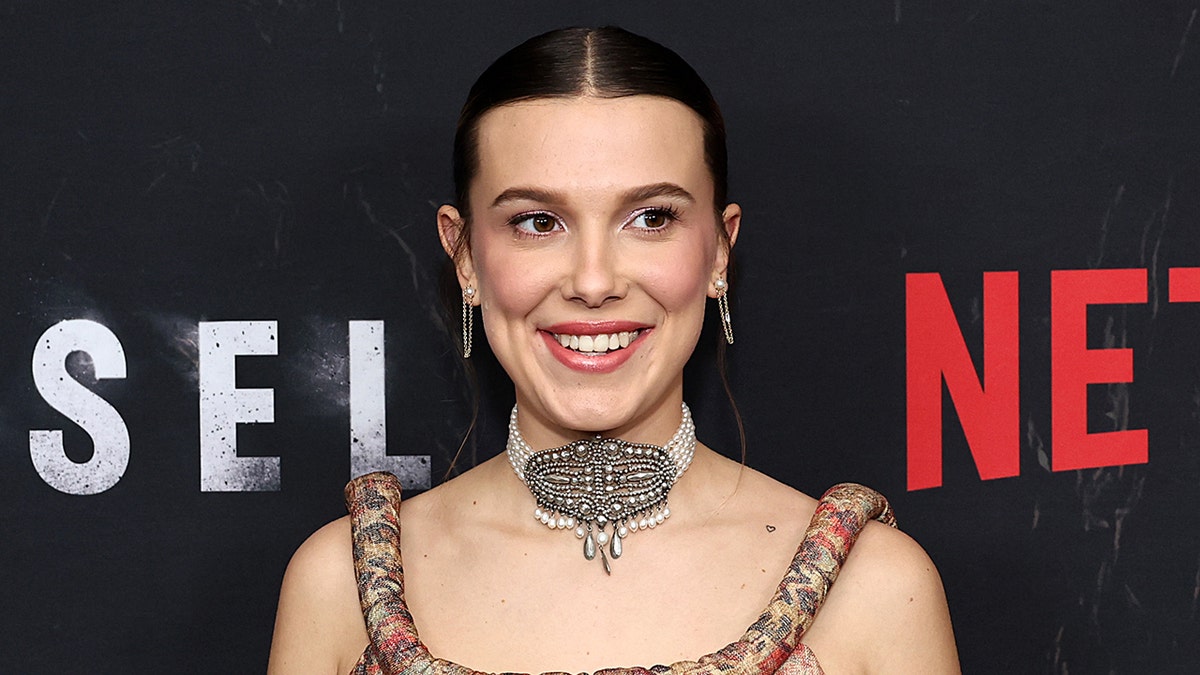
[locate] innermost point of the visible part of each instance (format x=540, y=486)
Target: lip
x=593, y=363
x=595, y=327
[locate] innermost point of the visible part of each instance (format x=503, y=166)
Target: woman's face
x=594, y=243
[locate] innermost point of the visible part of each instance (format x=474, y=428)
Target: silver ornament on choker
x=603, y=489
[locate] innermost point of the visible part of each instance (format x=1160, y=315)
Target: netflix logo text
x=989, y=410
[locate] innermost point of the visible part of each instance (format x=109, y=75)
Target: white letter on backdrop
x=368, y=421
x=110, y=437
x=223, y=406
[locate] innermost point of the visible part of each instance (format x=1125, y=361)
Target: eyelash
x=670, y=212
x=515, y=223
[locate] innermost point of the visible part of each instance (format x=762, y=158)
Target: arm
x=319, y=627
x=887, y=612
x=915, y=635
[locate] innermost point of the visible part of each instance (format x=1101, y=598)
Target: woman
x=591, y=228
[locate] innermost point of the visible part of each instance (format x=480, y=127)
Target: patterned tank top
x=772, y=644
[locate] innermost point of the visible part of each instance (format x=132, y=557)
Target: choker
x=602, y=488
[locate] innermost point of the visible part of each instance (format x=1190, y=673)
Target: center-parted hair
x=606, y=62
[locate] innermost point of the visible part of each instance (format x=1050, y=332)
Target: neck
x=602, y=489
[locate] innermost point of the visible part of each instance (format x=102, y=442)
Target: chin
x=591, y=418
x=593, y=413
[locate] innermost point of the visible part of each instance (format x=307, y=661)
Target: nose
x=594, y=278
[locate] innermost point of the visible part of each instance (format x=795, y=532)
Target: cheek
x=507, y=287
x=680, y=280
x=673, y=290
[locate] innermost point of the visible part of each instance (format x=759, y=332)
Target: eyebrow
x=516, y=194
x=641, y=194
x=637, y=194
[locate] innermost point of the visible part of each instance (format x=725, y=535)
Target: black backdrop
x=170, y=163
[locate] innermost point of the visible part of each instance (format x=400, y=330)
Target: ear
x=452, y=230
x=731, y=221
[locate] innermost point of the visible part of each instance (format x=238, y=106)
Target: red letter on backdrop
x=1184, y=283
x=1073, y=367
x=990, y=414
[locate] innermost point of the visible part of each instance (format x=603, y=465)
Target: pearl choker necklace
x=602, y=488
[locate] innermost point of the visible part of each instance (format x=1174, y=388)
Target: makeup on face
x=594, y=245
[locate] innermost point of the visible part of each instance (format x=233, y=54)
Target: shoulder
x=887, y=608
x=319, y=625
x=743, y=495
x=328, y=547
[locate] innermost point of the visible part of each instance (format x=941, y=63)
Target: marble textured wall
x=165, y=166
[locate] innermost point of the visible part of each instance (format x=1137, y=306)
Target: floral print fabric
x=772, y=644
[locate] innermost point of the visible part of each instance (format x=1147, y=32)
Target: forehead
x=590, y=145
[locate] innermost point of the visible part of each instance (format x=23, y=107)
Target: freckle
x=743, y=586
x=502, y=601
x=910, y=599
x=763, y=571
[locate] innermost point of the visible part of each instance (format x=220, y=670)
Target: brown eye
x=543, y=223
x=533, y=224
x=652, y=219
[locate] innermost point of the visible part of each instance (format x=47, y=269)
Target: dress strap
x=372, y=501
x=771, y=645
x=841, y=515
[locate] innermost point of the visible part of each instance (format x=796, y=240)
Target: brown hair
x=607, y=62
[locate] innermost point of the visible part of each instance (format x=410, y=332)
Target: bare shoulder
x=746, y=494
x=319, y=627
x=887, y=610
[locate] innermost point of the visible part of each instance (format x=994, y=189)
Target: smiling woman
x=592, y=216
x=591, y=230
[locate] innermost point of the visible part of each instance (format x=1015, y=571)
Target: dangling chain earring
x=468, y=320
x=723, y=307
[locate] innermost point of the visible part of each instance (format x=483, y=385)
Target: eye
x=535, y=223
x=655, y=218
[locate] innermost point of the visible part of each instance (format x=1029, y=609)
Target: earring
x=468, y=320
x=723, y=307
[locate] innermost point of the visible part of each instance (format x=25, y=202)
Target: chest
x=539, y=605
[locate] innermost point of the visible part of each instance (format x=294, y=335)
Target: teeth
x=597, y=344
